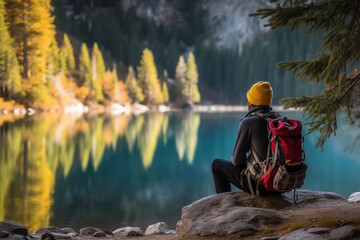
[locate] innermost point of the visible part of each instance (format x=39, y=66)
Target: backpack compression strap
x=262, y=164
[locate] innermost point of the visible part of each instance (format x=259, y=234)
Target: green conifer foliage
x=98, y=71
x=53, y=61
x=67, y=55
x=192, y=77
x=31, y=26
x=180, y=81
x=99, y=61
x=133, y=88
x=85, y=67
x=165, y=90
x=148, y=79
x=10, y=79
x=339, y=23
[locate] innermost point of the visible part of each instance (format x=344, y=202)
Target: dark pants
x=224, y=173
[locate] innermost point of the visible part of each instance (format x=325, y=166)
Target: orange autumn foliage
x=123, y=95
x=81, y=93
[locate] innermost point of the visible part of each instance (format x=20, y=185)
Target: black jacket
x=252, y=135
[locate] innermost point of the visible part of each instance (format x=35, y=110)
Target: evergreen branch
x=312, y=69
x=322, y=109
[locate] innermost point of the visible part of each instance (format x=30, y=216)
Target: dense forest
x=101, y=53
x=224, y=74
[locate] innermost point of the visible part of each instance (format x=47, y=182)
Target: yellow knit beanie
x=260, y=94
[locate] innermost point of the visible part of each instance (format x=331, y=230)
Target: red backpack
x=283, y=169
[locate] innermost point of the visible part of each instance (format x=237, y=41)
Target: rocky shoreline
x=15, y=231
x=136, y=108
x=317, y=215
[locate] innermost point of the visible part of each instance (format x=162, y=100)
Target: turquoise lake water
x=114, y=171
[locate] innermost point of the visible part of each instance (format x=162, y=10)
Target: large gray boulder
x=242, y=214
x=229, y=213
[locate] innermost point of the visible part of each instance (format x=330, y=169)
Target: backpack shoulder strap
x=266, y=116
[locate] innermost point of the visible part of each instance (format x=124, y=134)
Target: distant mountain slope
x=226, y=22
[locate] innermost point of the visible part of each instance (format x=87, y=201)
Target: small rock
x=35, y=236
x=269, y=238
x=171, y=232
x=17, y=237
x=108, y=232
x=30, y=237
x=301, y=234
x=67, y=230
x=99, y=234
x=345, y=232
x=3, y=233
x=89, y=231
x=50, y=229
x=354, y=197
x=157, y=228
x=64, y=236
x=15, y=228
x=47, y=236
x=128, y=231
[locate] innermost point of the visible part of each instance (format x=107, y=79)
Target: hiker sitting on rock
x=252, y=137
x=268, y=154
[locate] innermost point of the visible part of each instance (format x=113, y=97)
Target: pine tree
x=99, y=61
x=98, y=71
x=31, y=26
x=67, y=55
x=148, y=79
x=10, y=80
x=53, y=59
x=180, y=81
x=115, y=82
x=339, y=22
x=165, y=90
x=134, y=90
x=86, y=77
x=192, y=77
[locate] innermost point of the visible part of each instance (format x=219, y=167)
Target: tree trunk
x=25, y=50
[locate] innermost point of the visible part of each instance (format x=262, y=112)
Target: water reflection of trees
x=37, y=151
x=186, y=134
x=148, y=137
x=27, y=181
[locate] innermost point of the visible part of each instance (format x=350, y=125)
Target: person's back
x=251, y=142
x=254, y=128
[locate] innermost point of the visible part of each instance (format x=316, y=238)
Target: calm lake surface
x=114, y=171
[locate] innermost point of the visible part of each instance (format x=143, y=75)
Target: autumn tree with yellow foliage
x=67, y=55
x=10, y=80
x=148, y=79
x=31, y=26
x=192, y=78
x=98, y=71
x=135, y=91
